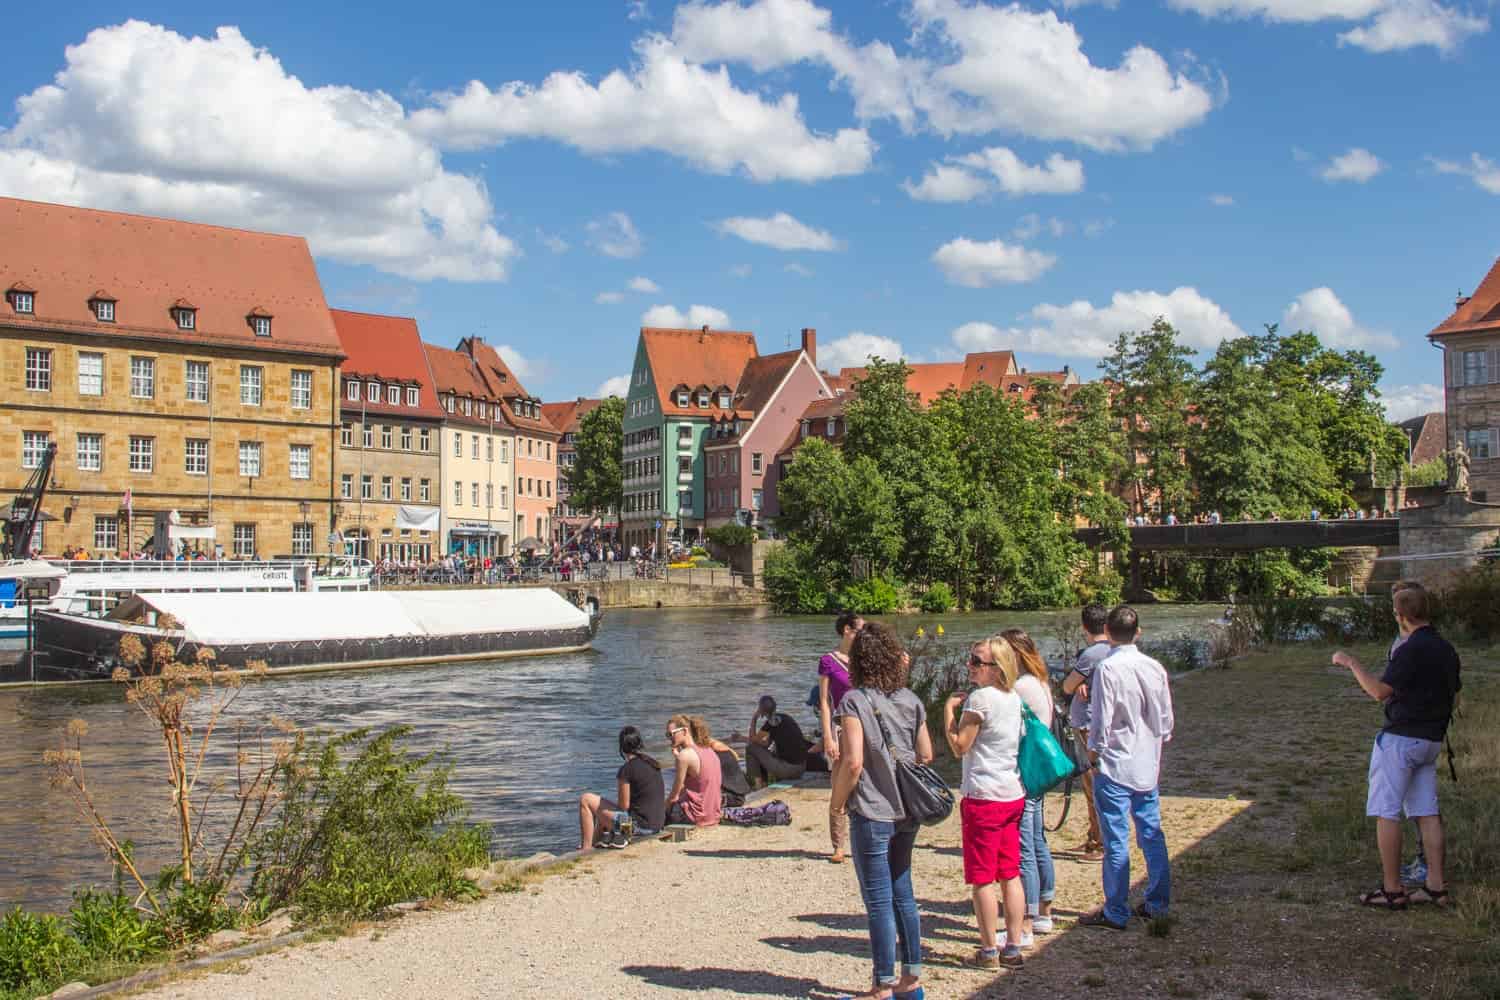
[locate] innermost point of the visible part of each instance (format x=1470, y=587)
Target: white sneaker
x=1026, y=940
x=1041, y=925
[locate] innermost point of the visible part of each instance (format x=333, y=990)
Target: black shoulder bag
x=925, y=796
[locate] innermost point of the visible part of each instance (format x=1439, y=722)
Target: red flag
x=127, y=500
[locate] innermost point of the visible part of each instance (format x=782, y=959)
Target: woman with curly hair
x=1037, y=875
x=864, y=784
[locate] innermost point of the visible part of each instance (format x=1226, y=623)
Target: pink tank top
x=702, y=797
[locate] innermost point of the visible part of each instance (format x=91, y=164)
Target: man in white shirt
x=1130, y=708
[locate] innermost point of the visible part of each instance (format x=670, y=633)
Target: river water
x=525, y=735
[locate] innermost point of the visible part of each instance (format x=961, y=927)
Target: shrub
x=1473, y=601
x=699, y=550
x=871, y=597
x=731, y=535
x=793, y=583
x=937, y=599
x=1099, y=586
x=35, y=949
x=109, y=927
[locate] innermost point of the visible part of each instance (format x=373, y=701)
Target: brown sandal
x=1380, y=899
x=1434, y=897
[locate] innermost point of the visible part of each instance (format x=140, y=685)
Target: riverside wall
x=663, y=594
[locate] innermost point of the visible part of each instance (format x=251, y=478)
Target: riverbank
x=1263, y=787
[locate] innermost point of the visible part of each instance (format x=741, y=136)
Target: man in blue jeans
x=1130, y=717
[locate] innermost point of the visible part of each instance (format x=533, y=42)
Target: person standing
x=1038, y=877
x=697, y=796
x=987, y=736
x=1130, y=718
x=864, y=784
x=1418, y=690
x=1076, y=684
x=775, y=748
x=833, y=684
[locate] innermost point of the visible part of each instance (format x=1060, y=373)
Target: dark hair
x=878, y=660
x=1095, y=618
x=846, y=619
x=631, y=745
x=1123, y=624
x=1413, y=604
x=1401, y=585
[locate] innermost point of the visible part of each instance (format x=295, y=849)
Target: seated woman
x=735, y=786
x=697, y=793
x=639, y=794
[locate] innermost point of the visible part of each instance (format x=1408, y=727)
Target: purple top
x=838, y=679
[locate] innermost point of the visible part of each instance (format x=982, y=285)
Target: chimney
x=704, y=335
x=1065, y=369
x=1460, y=301
x=810, y=344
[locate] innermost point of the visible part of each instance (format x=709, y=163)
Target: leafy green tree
x=839, y=512
x=595, y=479
x=1154, y=392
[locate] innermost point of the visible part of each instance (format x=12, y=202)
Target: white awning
x=191, y=531
x=417, y=518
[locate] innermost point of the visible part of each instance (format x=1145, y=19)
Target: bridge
x=1245, y=536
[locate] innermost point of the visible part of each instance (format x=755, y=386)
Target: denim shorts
x=1403, y=777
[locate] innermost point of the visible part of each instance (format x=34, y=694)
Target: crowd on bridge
x=1145, y=520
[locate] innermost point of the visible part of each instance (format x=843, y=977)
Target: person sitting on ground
x=697, y=794
x=639, y=794
x=733, y=786
x=833, y=684
x=986, y=735
x=1038, y=878
x=1076, y=684
x=776, y=748
x=1418, y=690
x=864, y=785
x=1130, y=717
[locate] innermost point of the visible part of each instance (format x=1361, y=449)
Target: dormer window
x=260, y=322
x=468, y=406
x=102, y=305
x=702, y=399
x=351, y=391
x=393, y=395
x=22, y=299
x=185, y=314
x=682, y=398
x=806, y=428
x=448, y=403
x=723, y=400
x=411, y=395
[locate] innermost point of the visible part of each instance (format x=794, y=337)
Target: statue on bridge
x=1457, y=458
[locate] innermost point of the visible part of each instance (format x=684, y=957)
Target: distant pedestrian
x=1130, y=712
x=1076, y=684
x=833, y=684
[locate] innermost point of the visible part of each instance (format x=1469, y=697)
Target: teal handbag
x=1042, y=761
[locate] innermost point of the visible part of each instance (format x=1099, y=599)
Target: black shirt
x=648, y=797
x=733, y=777
x=1424, y=680
x=786, y=738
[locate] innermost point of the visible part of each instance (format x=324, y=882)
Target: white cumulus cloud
x=143, y=119
x=1320, y=311
x=1358, y=165
x=671, y=317
x=618, y=385
x=665, y=103
x=974, y=264
x=1484, y=172
x=997, y=168
x=1031, y=225
x=519, y=363
x=946, y=182
x=1385, y=25
x=780, y=231
x=609, y=298
x=615, y=235
x=1402, y=402
x=854, y=350
x=645, y=285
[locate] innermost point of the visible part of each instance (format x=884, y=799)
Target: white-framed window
x=424, y=490
x=142, y=453
x=302, y=381
x=411, y=395
x=38, y=369
x=682, y=397
x=504, y=496
x=385, y=487
x=474, y=447
x=474, y=494
x=755, y=462
x=106, y=532
x=684, y=434
x=187, y=319
x=300, y=461
x=549, y=489
x=368, y=435
x=1476, y=367
x=468, y=406
x=448, y=402
x=458, y=445
x=723, y=400
x=22, y=302
x=458, y=493
x=685, y=501
x=195, y=456
x=734, y=498
x=504, y=452
x=261, y=325
x=251, y=377
x=806, y=428
x=372, y=391
x=346, y=435
x=143, y=378
x=33, y=447
x=302, y=540
x=346, y=486
x=367, y=487
x=244, y=541
x=483, y=410
x=351, y=391
x=829, y=431
x=405, y=489
x=104, y=310
x=703, y=400
x=424, y=439
x=90, y=374
x=1477, y=442
x=393, y=395
x=250, y=458
x=195, y=381
x=385, y=436
x=90, y=452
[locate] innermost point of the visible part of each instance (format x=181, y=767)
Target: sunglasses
x=673, y=732
x=975, y=661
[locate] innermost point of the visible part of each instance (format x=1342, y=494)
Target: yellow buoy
x=940, y=630
x=920, y=632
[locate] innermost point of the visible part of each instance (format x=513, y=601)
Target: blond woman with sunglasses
x=697, y=792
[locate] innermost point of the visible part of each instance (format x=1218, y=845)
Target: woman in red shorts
x=987, y=735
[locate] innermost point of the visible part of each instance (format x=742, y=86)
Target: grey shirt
x=1078, y=708
x=875, y=796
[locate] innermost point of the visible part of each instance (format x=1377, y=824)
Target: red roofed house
x=478, y=476
x=1470, y=339
x=190, y=368
x=566, y=417
x=389, y=469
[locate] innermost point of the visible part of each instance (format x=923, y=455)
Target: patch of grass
x=1094, y=982
x=1160, y=927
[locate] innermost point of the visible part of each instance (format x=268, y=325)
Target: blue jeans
x=1117, y=806
x=882, y=863
x=1037, y=876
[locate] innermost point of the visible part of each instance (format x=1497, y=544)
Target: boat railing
x=83, y=566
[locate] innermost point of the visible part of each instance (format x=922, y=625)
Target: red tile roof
x=457, y=373
x=151, y=265
x=503, y=384
x=386, y=348
x=1480, y=311
x=566, y=416
x=695, y=357
x=1427, y=435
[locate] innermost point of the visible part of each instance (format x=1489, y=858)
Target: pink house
x=740, y=447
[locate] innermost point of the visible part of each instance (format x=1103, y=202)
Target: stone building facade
x=478, y=469
x=187, y=368
x=1470, y=339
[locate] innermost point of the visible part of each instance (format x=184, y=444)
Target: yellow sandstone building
x=178, y=368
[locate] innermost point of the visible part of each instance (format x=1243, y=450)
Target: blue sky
x=923, y=176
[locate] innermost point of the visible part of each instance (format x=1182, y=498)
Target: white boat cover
x=31, y=569
x=228, y=619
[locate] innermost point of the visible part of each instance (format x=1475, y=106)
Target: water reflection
x=525, y=735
